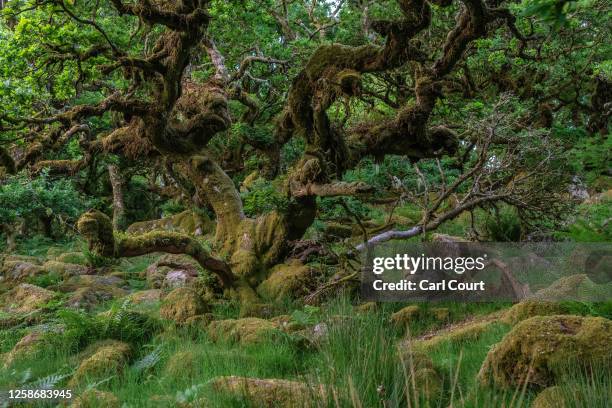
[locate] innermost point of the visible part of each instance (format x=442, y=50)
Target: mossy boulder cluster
x=25, y=298
x=101, y=360
x=539, y=348
x=290, y=280
x=182, y=304
x=171, y=271
x=246, y=331
x=530, y=308
x=270, y=392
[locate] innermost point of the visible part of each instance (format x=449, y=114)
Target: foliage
x=22, y=197
x=262, y=197
x=502, y=226
x=118, y=323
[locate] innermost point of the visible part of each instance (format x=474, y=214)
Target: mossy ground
x=174, y=365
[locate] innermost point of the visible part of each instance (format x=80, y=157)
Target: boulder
x=199, y=322
x=413, y=359
x=187, y=222
x=80, y=281
x=530, y=308
x=250, y=330
x=458, y=334
x=172, y=271
x=145, y=297
x=367, y=307
x=96, y=399
x=427, y=383
x=183, y=364
x=290, y=280
x=575, y=287
x=27, y=347
x=91, y=296
x=17, y=271
x=441, y=314
x=25, y=298
x=182, y=304
x=551, y=397
x=65, y=269
x=542, y=345
x=404, y=316
x=105, y=359
x=270, y=392
x=75, y=258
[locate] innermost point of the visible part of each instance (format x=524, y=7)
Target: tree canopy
x=269, y=116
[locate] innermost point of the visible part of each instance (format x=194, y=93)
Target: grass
x=357, y=364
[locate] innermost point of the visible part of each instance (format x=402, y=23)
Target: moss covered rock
x=441, y=314
x=103, y=359
x=551, y=397
x=96, y=399
x=575, y=287
x=76, y=258
x=412, y=358
x=172, y=271
x=183, y=364
x=91, y=296
x=27, y=347
x=458, y=334
x=182, y=304
x=145, y=297
x=269, y=392
x=80, y=281
x=187, y=222
x=250, y=330
x=290, y=280
x=25, y=298
x=542, y=345
x=427, y=383
x=367, y=307
x=65, y=269
x=404, y=316
x=17, y=271
x=530, y=308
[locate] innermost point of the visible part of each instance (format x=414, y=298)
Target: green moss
x=182, y=304
x=77, y=258
x=97, y=228
x=551, y=397
x=106, y=358
x=246, y=331
x=25, y=298
x=536, y=349
x=287, y=281
x=531, y=308
x=339, y=57
x=96, y=399
x=405, y=316
x=269, y=392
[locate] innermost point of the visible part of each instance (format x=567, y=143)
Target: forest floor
x=104, y=332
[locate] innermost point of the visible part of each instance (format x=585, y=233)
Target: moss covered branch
x=97, y=229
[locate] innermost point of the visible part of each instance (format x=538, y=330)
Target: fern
x=47, y=383
x=149, y=361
